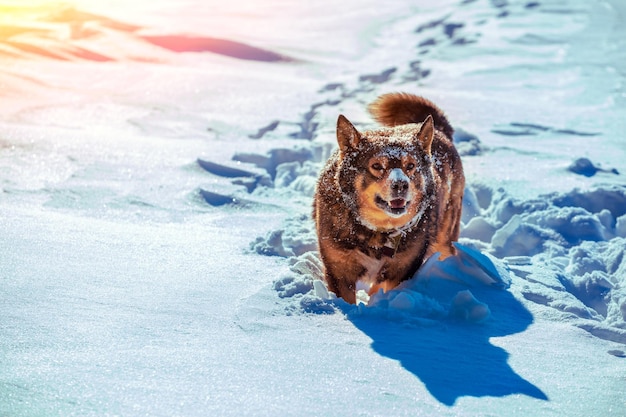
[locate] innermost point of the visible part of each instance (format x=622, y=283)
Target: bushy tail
x=395, y=109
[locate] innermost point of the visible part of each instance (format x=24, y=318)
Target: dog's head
x=386, y=175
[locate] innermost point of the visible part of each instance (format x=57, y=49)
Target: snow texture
x=157, y=166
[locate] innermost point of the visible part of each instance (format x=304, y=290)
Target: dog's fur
x=388, y=198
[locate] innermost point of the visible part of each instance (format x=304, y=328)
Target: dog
x=389, y=198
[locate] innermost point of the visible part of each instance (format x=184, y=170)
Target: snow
x=157, y=167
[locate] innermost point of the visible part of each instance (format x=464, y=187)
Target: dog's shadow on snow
x=456, y=359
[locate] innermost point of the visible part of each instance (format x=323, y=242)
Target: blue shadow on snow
x=456, y=359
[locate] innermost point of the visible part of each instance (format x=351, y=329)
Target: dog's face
x=387, y=171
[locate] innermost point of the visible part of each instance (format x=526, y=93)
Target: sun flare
x=117, y=30
x=60, y=30
x=17, y=12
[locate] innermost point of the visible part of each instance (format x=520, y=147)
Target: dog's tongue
x=397, y=203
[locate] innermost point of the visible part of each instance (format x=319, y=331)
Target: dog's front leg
x=342, y=287
x=342, y=269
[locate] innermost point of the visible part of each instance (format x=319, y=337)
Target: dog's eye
x=410, y=166
x=376, y=166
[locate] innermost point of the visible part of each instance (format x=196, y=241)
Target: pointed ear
x=426, y=134
x=347, y=135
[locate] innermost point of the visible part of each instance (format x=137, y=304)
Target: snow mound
x=295, y=239
x=584, y=166
x=439, y=291
x=291, y=172
x=568, y=249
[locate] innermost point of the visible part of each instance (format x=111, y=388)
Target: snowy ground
x=157, y=162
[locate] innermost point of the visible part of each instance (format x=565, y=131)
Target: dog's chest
x=374, y=269
x=384, y=258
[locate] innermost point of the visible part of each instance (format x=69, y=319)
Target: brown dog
x=388, y=198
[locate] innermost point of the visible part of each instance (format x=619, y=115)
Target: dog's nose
x=399, y=182
x=399, y=185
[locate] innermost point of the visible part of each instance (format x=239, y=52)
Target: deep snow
x=157, y=163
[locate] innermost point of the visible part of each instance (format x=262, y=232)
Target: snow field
x=142, y=195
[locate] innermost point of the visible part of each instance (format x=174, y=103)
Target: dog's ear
x=426, y=134
x=347, y=135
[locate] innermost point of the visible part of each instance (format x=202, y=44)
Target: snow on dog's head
x=386, y=174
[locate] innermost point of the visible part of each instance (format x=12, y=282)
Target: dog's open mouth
x=396, y=206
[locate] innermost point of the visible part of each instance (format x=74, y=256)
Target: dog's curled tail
x=395, y=109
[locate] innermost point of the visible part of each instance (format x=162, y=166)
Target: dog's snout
x=399, y=182
x=399, y=185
